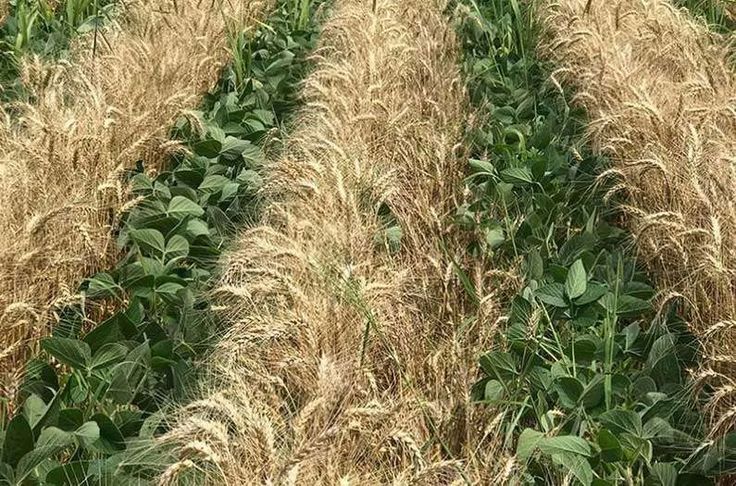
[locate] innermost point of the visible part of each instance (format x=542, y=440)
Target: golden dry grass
x=662, y=104
x=62, y=159
x=300, y=392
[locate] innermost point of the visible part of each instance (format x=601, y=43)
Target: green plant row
x=103, y=388
x=44, y=28
x=590, y=378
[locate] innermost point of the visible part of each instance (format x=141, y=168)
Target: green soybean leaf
x=527, y=443
x=577, y=280
x=53, y=437
x=481, y=167
x=665, y=474
x=87, y=433
x=108, y=354
x=197, y=227
x=569, y=390
x=18, y=440
x=177, y=247
x=111, y=440
x=34, y=459
x=213, y=183
x=208, y=148
x=34, y=409
x=71, y=352
x=619, y=421
x=233, y=148
x=493, y=391
x=495, y=237
x=592, y=293
x=628, y=305
x=576, y=465
x=498, y=365
x=181, y=207
x=149, y=239
x=102, y=285
x=610, y=446
x=565, y=444
x=517, y=175
x=552, y=294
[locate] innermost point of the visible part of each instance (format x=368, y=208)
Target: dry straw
x=346, y=363
x=661, y=98
x=62, y=159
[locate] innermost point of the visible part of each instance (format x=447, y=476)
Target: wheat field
x=367, y=242
x=345, y=362
x=64, y=153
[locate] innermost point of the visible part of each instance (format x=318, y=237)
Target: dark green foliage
x=591, y=378
x=117, y=376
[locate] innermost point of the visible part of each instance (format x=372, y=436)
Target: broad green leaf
x=498, y=364
x=619, y=421
x=577, y=280
x=565, y=444
x=552, y=294
x=593, y=393
x=610, y=446
x=141, y=183
x=35, y=458
x=664, y=474
x=576, y=465
x=169, y=288
x=181, y=207
x=70, y=419
x=662, y=361
x=102, y=285
x=108, y=354
x=213, y=183
x=177, y=247
x=629, y=305
x=111, y=440
x=495, y=237
x=569, y=390
x=149, y=239
x=528, y=441
x=34, y=409
x=54, y=437
x=88, y=433
x=493, y=391
x=70, y=474
x=197, y=227
x=657, y=428
x=207, y=148
x=253, y=155
x=481, y=166
x=233, y=148
x=18, y=440
x=71, y=352
x=592, y=293
x=517, y=175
